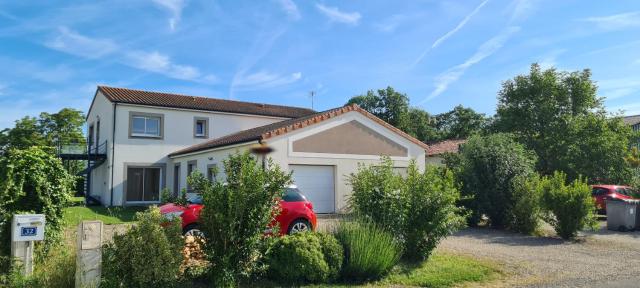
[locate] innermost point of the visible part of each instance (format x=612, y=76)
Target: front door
x=143, y=184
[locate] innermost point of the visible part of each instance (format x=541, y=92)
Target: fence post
x=89, y=251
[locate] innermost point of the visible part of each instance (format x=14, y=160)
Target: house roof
x=445, y=146
x=631, y=120
x=279, y=128
x=161, y=99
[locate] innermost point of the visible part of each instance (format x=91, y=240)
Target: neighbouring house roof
x=279, y=128
x=161, y=99
x=445, y=146
x=631, y=120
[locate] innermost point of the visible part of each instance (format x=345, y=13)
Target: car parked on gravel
x=602, y=193
x=296, y=213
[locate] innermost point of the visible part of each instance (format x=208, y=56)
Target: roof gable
x=280, y=128
x=170, y=100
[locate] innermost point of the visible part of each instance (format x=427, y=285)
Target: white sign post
x=26, y=228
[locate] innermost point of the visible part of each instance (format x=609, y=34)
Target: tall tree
x=460, y=123
x=26, y=133
x=387, y=104
x=554, y=113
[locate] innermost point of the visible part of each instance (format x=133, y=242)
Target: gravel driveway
x=598, y=259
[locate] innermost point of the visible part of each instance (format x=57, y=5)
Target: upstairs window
x=200, y=127
x=146, y=125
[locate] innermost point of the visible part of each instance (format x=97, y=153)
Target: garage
x=317, y=183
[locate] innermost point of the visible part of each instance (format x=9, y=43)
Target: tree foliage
x=32, y=180
x=459, y=123
x=393, y=107
x=236, y=214
x=559, y=116
x=489, y=166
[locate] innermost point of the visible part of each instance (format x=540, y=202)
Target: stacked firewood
x=193, y=256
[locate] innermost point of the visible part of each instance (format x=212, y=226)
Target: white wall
x=435, y=160
x=101, y=176
x=343, y=164
x=177, y=134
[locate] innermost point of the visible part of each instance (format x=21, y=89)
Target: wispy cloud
x=391, y=24
x=451, y=32
x=174, y=7
x=261, y=46
x=627, y=109
x=617, y=88
x=485, y=50
x=335, y=15
x=71, y=42
x=550, y=59
x=160, y=63
x=616, y=21
x=289, y=7
x=265, y=79
x=521, y=9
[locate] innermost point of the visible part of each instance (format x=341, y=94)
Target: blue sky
x=441, y=53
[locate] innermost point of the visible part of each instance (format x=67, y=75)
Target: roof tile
x=161, y=99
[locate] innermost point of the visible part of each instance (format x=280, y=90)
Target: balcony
x=78, y=151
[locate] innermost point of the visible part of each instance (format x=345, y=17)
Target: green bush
x=333, y=254
x=526, y=213
x=145, y=256
x=489, y=166
x=297, y=258
x=419, y=209
x=236, y=214
x=369, y=251
x=570, y=207
x=33, y=180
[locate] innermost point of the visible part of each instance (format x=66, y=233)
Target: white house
x=141, y=142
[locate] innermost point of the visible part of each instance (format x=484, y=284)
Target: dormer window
x=200, y=127
x=145, y=125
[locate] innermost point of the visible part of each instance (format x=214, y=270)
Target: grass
x=108, y=215
x=443, y=270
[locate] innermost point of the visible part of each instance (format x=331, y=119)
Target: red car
x=296, y=213
x=601, y=193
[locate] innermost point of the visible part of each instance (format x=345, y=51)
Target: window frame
x=205, y=135
x=144, y=166
x=194, y=164
x=147, y=116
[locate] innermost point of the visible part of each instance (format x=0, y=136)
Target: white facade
x=137, y=168
x=177, y=133
x=342, y=164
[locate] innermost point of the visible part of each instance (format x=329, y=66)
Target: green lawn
x=112, y=215
x=441, y=270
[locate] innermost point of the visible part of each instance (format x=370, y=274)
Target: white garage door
x=317, y=183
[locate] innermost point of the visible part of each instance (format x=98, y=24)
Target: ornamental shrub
x=297, y=258
x=432, y=213
x=419, y=209
x=369, y=251
x=526, y=213
x=333, y=254
x=236, y=214
x=147, y=255
x=490, y=164
x=33, y=180
x=570, y=207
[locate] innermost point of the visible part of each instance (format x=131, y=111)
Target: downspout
x=113, y=150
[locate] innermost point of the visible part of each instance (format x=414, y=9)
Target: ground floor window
x=143, y=184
